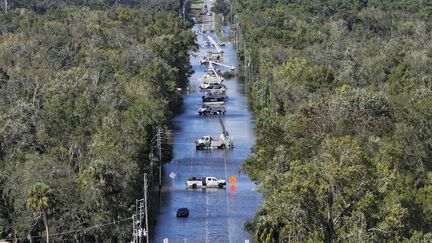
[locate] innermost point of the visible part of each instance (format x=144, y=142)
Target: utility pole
x=135, y=230
x=146, y=209
x=6, y=6
x=140, y=217
x=159, y=144
x=137, y=219
x=139, y=223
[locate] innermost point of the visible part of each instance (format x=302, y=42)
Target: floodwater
x=216, y=215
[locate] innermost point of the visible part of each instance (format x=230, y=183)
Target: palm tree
x=266, y=230
x=38, y=199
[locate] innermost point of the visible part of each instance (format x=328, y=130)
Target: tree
x=39, y=199
x=221, y=7
x=267, y=231
x=4, y=77
x=80, y=103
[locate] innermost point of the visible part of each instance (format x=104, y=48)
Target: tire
x=222, y=146
x=223, y=112
x=194, y=186
x=204, y=112
x=220, y=185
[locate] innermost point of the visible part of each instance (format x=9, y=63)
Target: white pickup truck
x=194, y=182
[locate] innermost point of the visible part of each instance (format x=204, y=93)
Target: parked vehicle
x=214, y=96
x=209, y=84
x=182, y=212
x=209, y=56
x=215, y=87
x=194, y=182
x=208, y=142
x=208, y=109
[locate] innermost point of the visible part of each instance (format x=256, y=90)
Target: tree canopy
x=82, y=92
x=342, y=94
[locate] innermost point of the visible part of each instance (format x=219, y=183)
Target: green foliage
x=343, y=100
x=38, y=197
x=82, y=93
x=42, y=6
x=221, y=7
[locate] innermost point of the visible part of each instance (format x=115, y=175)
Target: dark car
x=182, y=212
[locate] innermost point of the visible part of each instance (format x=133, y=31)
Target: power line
x=76, y=231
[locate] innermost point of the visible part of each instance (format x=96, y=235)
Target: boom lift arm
x=218, y=48
x=224, y=131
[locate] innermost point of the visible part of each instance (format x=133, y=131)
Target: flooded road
x=216, y=215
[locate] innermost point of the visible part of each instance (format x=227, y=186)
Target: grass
x=198, y=4
x=218, y=24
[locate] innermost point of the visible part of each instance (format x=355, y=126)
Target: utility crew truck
x=193, y=182
x=207, y=142
x=213, y=55
x=212, y=81
x=208, y=109
x=214, y=96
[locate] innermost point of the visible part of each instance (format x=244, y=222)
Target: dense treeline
x=81, y=94
x=41, y=6
x=342, y=91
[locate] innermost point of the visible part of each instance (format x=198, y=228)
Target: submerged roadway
x=216, y=215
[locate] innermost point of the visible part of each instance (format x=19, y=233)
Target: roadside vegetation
x=343, y=101
x=83, y=87
x=219, y=21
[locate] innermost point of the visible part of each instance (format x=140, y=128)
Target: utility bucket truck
x=213, y=55
x=223, y=142
x=212, y=80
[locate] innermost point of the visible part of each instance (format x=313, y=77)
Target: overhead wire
x=76, y=231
